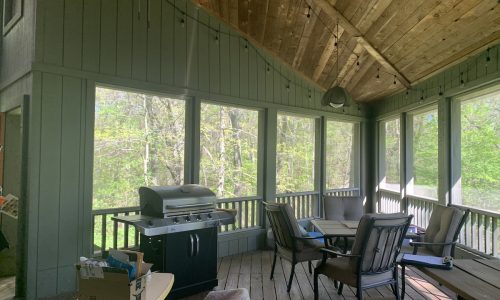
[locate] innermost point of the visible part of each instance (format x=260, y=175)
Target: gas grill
x=178, y=234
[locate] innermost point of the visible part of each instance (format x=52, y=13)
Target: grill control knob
x=150, y=223
x=209, y=216
x=188, y=219
x=175, y=220
x=198, y=218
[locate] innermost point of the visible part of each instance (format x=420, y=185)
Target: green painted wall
x=475, y=72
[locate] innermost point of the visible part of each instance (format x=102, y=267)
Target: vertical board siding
x=53, y=32
x=459, y=78
x=154, y=41
x=108, y=37
x=192, y=46
x=73, y=33
x=91, y=35
x=124, y=38
x=50, y=164
x=166, y=42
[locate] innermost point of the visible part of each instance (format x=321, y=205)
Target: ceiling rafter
x=346, y=24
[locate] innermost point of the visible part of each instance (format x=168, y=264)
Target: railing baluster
x=115, y=232
x=494, y=237
x=480, y=236
x=125, y=234
x=247, y=215
x=103, y=233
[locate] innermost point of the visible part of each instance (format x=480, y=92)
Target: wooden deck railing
x=249, y=212
x=109, y=234
x=305, y=204
x=481, y=232
x=389, y=201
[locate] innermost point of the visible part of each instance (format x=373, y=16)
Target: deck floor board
x=252, y=271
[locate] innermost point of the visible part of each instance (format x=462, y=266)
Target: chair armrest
x=329, y=251
x=420, y=244
x=415, y=245
x=308, y=237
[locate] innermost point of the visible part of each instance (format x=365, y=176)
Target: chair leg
x=291, y=278
x=316, y=292
x=403, y=282
x=341, y=286
x=310, y=267
x=359, y=294
x=274, y=264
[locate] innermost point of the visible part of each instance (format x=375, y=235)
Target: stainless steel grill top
x=167, y=201
x=168, y=209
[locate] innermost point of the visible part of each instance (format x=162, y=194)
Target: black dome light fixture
x=336, y=96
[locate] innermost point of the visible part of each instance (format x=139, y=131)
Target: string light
x=462, y=82
x=268, y=69
x=394, y=80
x=440, y=91
x=288, y=86
x=309, y=12
x=182, y=21
x=309, y=94
x=216, y=37
x=246, y=46
x=378, y=75
x=422, y=96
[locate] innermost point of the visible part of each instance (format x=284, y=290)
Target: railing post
x=494, y=231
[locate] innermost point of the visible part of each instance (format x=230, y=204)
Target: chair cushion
x=309, y=251
x=235, y=294
x=343, y=270
x=343, y=208
x=443, y=224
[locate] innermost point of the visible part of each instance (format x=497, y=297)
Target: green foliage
x=480, y=143
x=340, y=155
x=425, y=154
x=228, y=142
x=392, y=152
x=295, y=154
x=138, y=141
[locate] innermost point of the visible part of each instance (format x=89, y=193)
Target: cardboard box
x=96, y=283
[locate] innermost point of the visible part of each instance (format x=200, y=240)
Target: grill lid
x=162, y=201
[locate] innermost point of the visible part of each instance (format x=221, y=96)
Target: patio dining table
x=335, y=228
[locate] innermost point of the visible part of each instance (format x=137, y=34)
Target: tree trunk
x=222, y=155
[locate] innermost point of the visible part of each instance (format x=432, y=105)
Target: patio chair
x=440, y=237
x=289, y=242
x=372, y=261
x=343, y=208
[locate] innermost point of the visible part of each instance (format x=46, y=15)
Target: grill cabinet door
x=179, y=251
x=205, y=260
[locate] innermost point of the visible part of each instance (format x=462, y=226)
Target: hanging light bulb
x=488, y=58
x=268, y=68
x=216, y=39
x=394, y=80
x=440, y=91
x=462, y=82
x=309, y=12
x=378, y=75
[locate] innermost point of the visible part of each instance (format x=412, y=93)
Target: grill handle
x=197, y=244
x=188, y=205
x=192, y=244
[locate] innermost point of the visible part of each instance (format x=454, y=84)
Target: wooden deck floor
x=251, y=270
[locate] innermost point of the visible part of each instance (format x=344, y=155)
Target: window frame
x=7, y=25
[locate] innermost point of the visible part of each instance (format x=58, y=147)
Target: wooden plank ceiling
x=399, y=39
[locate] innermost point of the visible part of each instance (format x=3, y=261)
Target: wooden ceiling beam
x=349, y=27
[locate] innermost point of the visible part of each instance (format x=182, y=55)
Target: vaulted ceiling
x=404, y=41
